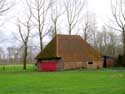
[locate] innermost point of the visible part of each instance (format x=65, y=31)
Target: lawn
x=15, y=67
x=67, y=82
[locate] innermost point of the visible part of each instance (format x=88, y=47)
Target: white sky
x=101, y=9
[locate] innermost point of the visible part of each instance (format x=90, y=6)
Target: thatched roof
x=69, y=48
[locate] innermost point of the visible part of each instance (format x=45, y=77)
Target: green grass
x=105, y=81
x=15, y=67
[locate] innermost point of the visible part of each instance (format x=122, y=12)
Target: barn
x=67, y=52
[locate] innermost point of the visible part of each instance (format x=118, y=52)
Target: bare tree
x=107, y=41
x=112, y=43
x=99, y=39
x=56, y=12
x=25, y=37
x=39, y=10
x=85, y=26
x=24, y=30
x=89, y=28
x=118, y=12
x=73, y=9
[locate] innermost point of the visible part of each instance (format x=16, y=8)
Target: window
x=90, y=62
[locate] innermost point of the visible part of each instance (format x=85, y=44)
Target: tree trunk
x=85, y=35
x=41, y=43
x=70, y=30
x=123, y=60
x=55, y=28
x=25, y=57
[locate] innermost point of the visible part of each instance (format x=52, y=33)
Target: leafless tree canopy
x=73, y=9
x=89, y=26
x=56, y=12
x=25, y=37
x=40, y=10
x=118, y=12
x=4, y=6
x=25, y=34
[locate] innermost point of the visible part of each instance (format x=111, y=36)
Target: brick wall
x=72, y=65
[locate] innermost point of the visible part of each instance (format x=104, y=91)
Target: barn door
x=48, y=66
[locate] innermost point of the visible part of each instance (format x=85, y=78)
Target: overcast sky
x=101, y=9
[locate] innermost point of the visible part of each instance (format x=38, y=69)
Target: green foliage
x=67, y=82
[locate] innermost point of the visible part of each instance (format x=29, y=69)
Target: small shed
x=67, y=52
x=108, y=61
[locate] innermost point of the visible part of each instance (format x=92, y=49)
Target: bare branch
x=39, y=13
x=114, y=28
x=73, y=9
x=19, y=29
x=4, y=6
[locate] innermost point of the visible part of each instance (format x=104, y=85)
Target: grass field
x=106, y=81
x=15, y=67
